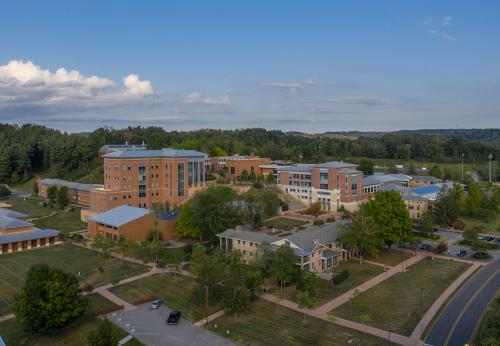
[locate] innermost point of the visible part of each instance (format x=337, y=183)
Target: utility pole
x=490, y=156
x=463, y=167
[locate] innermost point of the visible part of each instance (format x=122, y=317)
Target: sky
x=310, y=66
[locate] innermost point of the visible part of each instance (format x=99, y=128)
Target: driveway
x=150, y=328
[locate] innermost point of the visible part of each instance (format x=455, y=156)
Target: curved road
x=456, y=324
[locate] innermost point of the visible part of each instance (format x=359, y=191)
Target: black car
x=461, y=253
x=425, y=247
x=487, y=238
x=174, y=318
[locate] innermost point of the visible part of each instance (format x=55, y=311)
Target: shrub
x=479, y=228
x=480, y=255
x=285, y=207
x=258, y=184
x=318, y=222
x=338, y=279
x=459, y=224
x=442, y=247
x=330, y=219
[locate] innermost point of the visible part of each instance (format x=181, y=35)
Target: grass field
x=73, y=335
x=98, y=304
x=390, y=257
x=491, y=227
x=325, y=291
x=284, y=223
x=270, y=324
x=68, y=257
x=64, y=222
x=174, y=291
x=30, y=205
x=394, y=304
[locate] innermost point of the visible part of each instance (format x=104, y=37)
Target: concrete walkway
x=7, y=317
x=210, y=318
x=344, y=298
x=424, y=322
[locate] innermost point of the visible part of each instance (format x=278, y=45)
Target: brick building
x=77, y=193
x=235, y=165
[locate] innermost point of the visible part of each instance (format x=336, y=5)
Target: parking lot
x=150, y=327
x=453, y=249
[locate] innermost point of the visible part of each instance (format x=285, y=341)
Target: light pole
x=490, y=156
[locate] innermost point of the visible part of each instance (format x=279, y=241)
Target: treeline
x=33, y=148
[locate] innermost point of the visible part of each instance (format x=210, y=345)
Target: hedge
x=337, y=280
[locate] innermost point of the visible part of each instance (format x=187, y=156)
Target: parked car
x=174, y=317
x=487, y=238
x=424, y=246
x=155, y=304
x=461, y=253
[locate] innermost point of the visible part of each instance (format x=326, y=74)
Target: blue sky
x=309, y=66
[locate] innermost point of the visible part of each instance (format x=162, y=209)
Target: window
x=180, y=179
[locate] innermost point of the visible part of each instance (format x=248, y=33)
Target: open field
x=64, y=222
x=283, y=223
x=30, y=205
x=174, y=291
x=98, y=304
x=326, y=291
x=67, y=257
x=395, y=303
x=266, y=323
x=73, y=335
x=491, y=227
x=390, y=257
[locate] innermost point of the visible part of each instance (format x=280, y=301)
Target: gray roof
x=124, y=146
x=413, y=197
x=391, y=187
x=28, y=235
x=329, y=253
x=300, y=168
x=335, y=164
x=376, y=179
x=119, y=216
x=426, y=178
x=9, y=222
x=252, y=236
x=70, y=184
x=180, y=153
x=11, y=213
x=326, y=234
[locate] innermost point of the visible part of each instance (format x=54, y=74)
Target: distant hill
x=487, y=135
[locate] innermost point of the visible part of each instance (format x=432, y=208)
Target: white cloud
x=362, y=100
x=292, y=87
x=24, y=84
x=196, y=97
x=447, y=21
x=442, y=35
x=427, y=21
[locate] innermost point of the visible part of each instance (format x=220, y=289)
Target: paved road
x=456, y=323
x=150, y=328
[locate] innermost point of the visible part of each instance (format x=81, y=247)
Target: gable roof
x=27, y=235
x=119, y=216
x=9, y=222
x=177, y=153
x=12, y=213
x=256, y=237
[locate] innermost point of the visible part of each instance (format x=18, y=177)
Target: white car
x=155, y=304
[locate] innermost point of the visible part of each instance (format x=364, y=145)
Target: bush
x=330, y=219
x=479, y=228
x=480, y=255
x=318, y=222
x=258, y=184
x=442, y=247
x=459, y=224
x=285, y=207
x=337, y=280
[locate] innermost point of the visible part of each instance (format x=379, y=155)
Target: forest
x=34, y=149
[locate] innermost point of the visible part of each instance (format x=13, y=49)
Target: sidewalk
x=344, y=298
x=210, y=318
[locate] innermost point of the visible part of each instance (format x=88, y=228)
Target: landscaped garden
x=173, y=290
x=284, y=223
x=395, y=304
x=74, y=334
x=266, y=323
x=326, y=290
x=89, y=267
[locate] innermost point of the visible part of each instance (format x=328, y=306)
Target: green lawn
x=174, y=291
x=70, y=258
x=98, y=304
x=491, y=227
x=73, y=335
x=390, y=257
x=283, y=223
x=325, y=291
x=64, y=222
x=30, y=205
x=27, y=186
x=266, y=323
x=394, y=304
x=183, y=252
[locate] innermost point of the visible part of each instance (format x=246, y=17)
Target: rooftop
x=326, y=234
x=27, y=235
x=376, y=179
x=70, y=184
x=175, y=153
x=424, y=190
x=252, y=236
x=9, y=222
x=11, y=213
x=119, y=216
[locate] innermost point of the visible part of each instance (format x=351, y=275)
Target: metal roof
x=70, y=184
x=413, y=197
x=252, y=236
x=335, y=164
x=391, y=187
x=423, y=190
x=300, y=168
x=28, y=235
x=326, y=234
x=9, y=222
x=12, y=213
x=376, y=179
x=177, y=153
x=119, y=216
